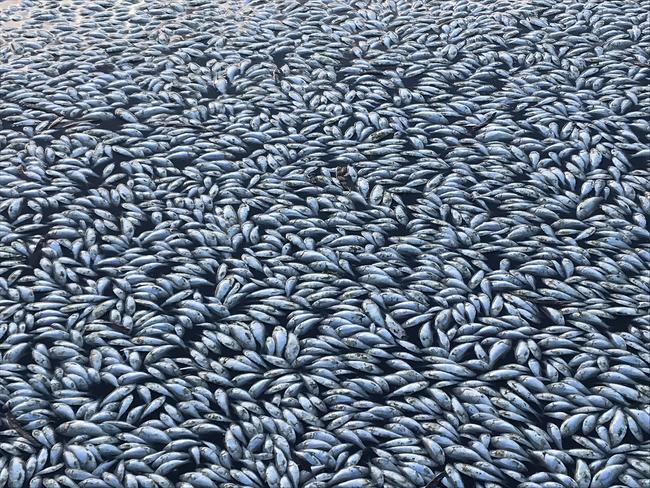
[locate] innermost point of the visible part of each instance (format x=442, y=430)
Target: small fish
x=324, y=244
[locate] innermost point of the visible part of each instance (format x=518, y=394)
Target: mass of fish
x=324, y=244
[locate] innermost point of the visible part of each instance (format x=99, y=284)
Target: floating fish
x=324, y=244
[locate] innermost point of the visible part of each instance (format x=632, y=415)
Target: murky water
x=5, y=4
